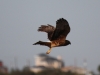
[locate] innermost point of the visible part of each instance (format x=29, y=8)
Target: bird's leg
x=48, y=51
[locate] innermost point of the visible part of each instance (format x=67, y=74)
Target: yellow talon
x=48, y=51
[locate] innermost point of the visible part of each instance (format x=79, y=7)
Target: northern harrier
x=57, y=36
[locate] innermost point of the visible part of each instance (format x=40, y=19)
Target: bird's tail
x=43, y=43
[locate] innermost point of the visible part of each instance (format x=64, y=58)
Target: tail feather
x=43, y=43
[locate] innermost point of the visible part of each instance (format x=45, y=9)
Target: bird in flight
x=57, y=35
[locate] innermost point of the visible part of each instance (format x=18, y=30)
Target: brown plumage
x=57, y=36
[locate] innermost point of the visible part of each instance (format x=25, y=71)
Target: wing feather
x=49, y=29
x=46, y=28
x=62, y=29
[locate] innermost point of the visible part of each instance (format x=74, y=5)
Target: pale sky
x=20, y=19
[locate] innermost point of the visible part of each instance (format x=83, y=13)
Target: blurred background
x=20, y=19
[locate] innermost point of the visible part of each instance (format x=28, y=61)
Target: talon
x=48, y=51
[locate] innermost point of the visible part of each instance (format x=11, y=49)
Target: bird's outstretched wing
x=62, y=29
x=46, y=28
x=49, y=29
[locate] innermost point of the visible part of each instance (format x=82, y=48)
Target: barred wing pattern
x=49, y=29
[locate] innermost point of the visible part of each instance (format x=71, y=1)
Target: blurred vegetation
x=55, y=72
x=26, y=71
x=99, y=69
x=46, y=72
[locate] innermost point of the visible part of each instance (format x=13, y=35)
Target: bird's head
x=68, y=42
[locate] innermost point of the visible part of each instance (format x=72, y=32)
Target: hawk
x=57, y=35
